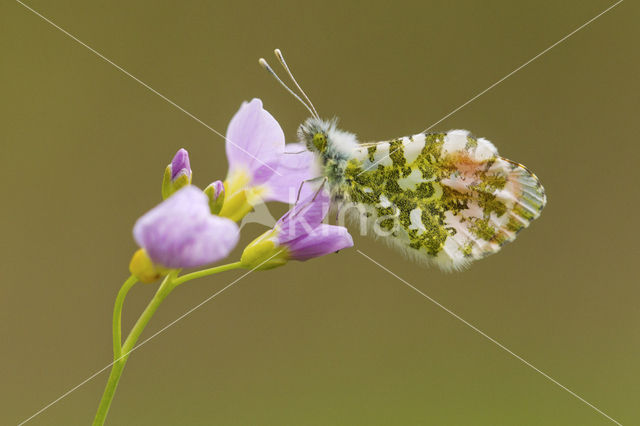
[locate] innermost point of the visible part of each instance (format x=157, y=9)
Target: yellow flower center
x=240, y=197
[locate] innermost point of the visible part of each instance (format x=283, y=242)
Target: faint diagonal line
x=492, y=340
x=503, y=78
x=525, y=64
x=162, y=330
x=145, y=85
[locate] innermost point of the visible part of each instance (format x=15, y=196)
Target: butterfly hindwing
x=447, y=198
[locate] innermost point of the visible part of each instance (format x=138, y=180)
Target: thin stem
x=120, y=361
x=163, y=291
x=121, y=353
x=109, y=392
x=205, y=272
x=117, y=315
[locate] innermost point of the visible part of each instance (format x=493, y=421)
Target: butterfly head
x=314, y=133
x=324, y=138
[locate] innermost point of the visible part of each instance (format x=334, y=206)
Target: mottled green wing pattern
x=447, y=198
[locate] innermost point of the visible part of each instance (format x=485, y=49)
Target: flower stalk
x=122, y=351
x=117, y=315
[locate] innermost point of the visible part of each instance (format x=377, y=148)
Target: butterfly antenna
x=270, y=70
x=286, y=67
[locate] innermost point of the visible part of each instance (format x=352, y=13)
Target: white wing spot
x=411, y=181
x=485, y=150
x=415, y=216
x=455, y=141
x=413, y=148
x=381, y=156
x=384, y=202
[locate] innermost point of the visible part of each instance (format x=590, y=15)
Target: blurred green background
x=334, y=341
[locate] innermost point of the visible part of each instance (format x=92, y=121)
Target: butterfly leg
x=324, y=182
x=315, y=179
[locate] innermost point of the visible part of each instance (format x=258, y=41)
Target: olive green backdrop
x=334, y=341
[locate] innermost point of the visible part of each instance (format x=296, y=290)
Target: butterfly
x=444, y=199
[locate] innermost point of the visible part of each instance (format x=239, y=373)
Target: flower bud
x=143, y=268
x=264, y=253
x=215, y=193
x=177, y=174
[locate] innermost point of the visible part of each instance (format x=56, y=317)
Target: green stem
x=120, y=361
x=121, y=353
x=165, y=288
x=205, y=272
x=109, y=392
x=117, y=315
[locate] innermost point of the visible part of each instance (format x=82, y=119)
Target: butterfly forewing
x=448, y=198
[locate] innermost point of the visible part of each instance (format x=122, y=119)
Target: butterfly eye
x=320, y=142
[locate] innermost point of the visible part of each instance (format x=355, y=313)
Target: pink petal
x=181, y=232
x=324, y=239
x=304, y=217
x=254, y=142
x=296, y=165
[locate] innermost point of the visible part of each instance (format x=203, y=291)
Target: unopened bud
x=215, y=192
x=143, y=268
x=177, y=174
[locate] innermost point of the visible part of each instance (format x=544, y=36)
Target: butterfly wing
x=446, y=198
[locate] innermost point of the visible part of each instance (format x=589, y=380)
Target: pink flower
x=181, y=232
x=261, y=167
x=298, y=235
